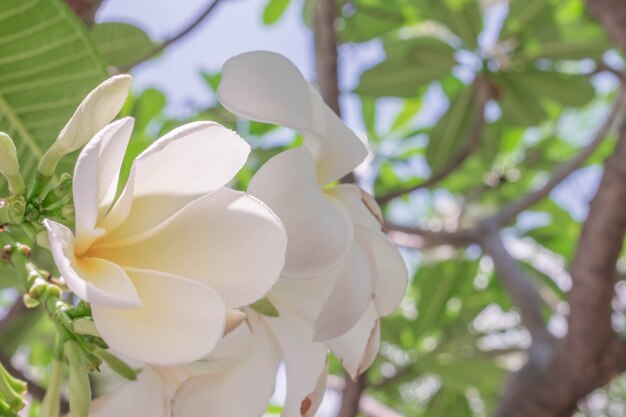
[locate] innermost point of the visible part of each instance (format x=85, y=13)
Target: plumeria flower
x=164, y=264
x=236, y=379
x=354, y=274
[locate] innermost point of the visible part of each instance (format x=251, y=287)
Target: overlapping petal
x=305, y=363
x=146, y=397
x=267, y=87
x=96, y=177
x=318, y=227
x=227, y=240
x=242, y=390
x=94, y=280
x=191, y=161
x=349, y=298
x=179, y=320
x=357, y=348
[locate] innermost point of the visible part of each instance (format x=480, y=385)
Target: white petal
x=358, y=348
x=305, y=363
x=148, y=396
x=95, y=179
x=391, y=276
x=97, y=109
x=304, y=297
x=243, y=390
x=227, y=240
x=337, y=149
x=179, y=321
x=353, y=199
x=190, y=161
x=267, y=87
x=96, y=281
x=318, y=227
x=350, y=297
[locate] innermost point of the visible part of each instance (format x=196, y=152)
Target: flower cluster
x=209, y=289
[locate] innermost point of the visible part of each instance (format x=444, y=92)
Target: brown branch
x=612, y=15
x=418, y=238
x=518, y=284
x=512, y=210
x=180, y=35
x=368, y=406
x=591, y=353
x=483, y=93
x=85, y=10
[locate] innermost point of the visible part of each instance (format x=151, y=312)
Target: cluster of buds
x=12, y=391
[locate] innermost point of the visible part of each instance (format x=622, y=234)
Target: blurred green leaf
x=274, y=9
x=46, y=69
x=121, y=44
x=451, y=131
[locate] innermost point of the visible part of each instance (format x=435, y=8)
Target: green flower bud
x=95, y=112
x=9, y=165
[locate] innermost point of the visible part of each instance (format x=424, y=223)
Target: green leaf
x=121, y=44
x=407, y=113
x=451, y=131
x=274, y=10
x=567, y=89
x=410, y=66
x=47, y=66
x=368, y=112
x=520, y=107
x=116, y=364
x=437, y=285
x=563, y=50
x=265, y=307
x=462, y=17
x=212, y=79
x=147, y=107
x=79, y=386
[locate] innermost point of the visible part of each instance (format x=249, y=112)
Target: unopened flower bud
x=29, y=301
x=95, y=112
x=9, y=165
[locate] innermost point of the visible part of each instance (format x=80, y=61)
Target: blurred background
x=489, y=123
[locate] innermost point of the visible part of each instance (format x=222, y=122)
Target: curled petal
x=227, y=240
x=391, y=276
x=96, y=281
x=349, y=298
x=242, y=390
x=190, y=161
x=318, y=227
x=337, y=149
x=305, y=364
x=267, y=87
x=179, y=321
x=358, y=348
x=353, y=199
x=95, y=179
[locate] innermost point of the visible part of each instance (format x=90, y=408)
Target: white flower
x=354, y=273
x=236, y=379
x=161, y=264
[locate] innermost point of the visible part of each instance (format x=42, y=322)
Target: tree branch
x=85, y=10
x=612, y=15
x=483, y=93
x=418, y=238
x=512, y=210
x=368, y=406
x=517, y=283
x=180, y=35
